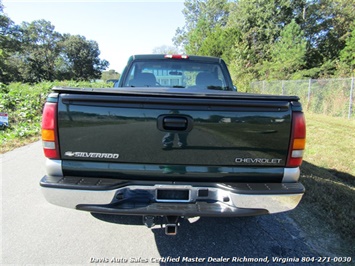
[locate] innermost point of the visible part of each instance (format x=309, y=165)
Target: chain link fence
x=334, y=97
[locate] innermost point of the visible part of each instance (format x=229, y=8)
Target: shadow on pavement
x=250, y=237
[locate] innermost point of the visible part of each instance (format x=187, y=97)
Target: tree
x=165, y=49
x=243, y=66
x=260, y=24
x=288, y=53
x=8, y=45
x=325, y=25
x=81, y=58
x=219, y=43
x=201, y=17
x=346, y=65
x=33, y=52
x=40, y=47
x=111, y=74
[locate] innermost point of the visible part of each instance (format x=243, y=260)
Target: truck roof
x=163, y=56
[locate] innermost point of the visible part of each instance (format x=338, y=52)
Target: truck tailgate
x=133, y=131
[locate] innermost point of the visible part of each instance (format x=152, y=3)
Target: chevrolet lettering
x=173, y=140
x=258, y=160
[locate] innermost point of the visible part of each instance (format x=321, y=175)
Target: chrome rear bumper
x=174, y=198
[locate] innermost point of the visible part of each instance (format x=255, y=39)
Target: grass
x=331, y=143
x=327, y=210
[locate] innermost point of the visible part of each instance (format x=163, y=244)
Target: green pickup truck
x=173, y=139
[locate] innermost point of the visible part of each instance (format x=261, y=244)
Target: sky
x=121, y=28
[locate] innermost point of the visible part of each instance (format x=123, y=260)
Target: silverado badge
x=98, y=155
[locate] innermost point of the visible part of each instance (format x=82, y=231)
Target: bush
x=24, y=103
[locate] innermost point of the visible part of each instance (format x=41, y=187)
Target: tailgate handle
x=175, y=123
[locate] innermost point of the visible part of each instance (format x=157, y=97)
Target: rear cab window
x=176, y=74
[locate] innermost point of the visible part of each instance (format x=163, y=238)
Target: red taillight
x=49, y=133
x=298, y=140
x=176, y=56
